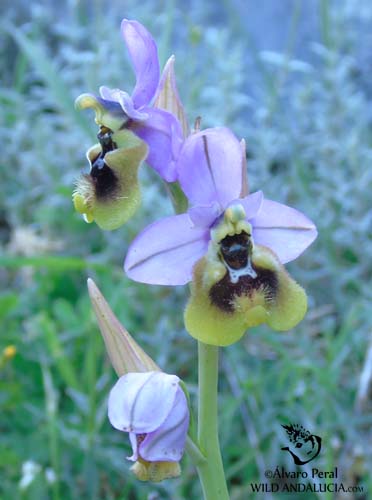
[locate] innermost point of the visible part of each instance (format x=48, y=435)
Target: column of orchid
x=230, y=245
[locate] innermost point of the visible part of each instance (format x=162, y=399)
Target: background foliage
x=293, y=80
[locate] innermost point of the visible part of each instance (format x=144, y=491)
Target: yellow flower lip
x=221, y=310
x=110, y=194
x=238, y=285
x=82, y=207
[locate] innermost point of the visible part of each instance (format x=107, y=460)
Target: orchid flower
x=153, y=409
x=233, y=248
x=109, y=194
x=116, y=109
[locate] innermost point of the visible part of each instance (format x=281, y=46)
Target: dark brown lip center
x=236, y=249
x=104, y=137
x=104, y=178
x=223, y=293
x=236, y=252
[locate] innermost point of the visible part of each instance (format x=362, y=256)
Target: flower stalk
x=231, y=246
x=178, y=199
x=211, y=472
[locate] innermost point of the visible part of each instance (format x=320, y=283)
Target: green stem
x=211, y=471
x=325, y=23
x=178, y=198
x=192, y=449
x=206, y=455
x=52, y=427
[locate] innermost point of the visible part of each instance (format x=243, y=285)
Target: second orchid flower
x=116, y=109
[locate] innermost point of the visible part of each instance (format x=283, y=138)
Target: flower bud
x=153, y=409
x=167, y=96
x=110, y=193
x=238, y=285
x=124, y=352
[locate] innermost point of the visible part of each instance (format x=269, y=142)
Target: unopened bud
x=124, y=352
x=168, y=97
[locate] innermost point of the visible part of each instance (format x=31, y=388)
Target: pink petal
x=144, y=55
x=140, y=402
x=125, y=101
x=134, y=444
x=167, y=443
x=251, y=203
x=109, y=94
x=166, y=251
x=205, y=215
x=162, y=133
x=286, y=231
x=210, y=167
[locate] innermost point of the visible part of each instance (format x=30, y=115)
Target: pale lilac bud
x=153, y=409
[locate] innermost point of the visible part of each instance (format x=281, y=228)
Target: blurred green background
x=293, y=79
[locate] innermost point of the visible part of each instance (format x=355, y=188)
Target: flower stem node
x=110, y=194
x=152, y=407
x=238, y=285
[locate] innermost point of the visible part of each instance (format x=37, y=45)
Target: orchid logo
x=304, y=445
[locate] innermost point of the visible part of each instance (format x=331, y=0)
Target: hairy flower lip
x=223, y=293
x=110, y=195
x=220, y=310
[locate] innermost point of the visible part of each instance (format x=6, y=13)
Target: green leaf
x=65, y=368
x=59, y=263
x=8, y=301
